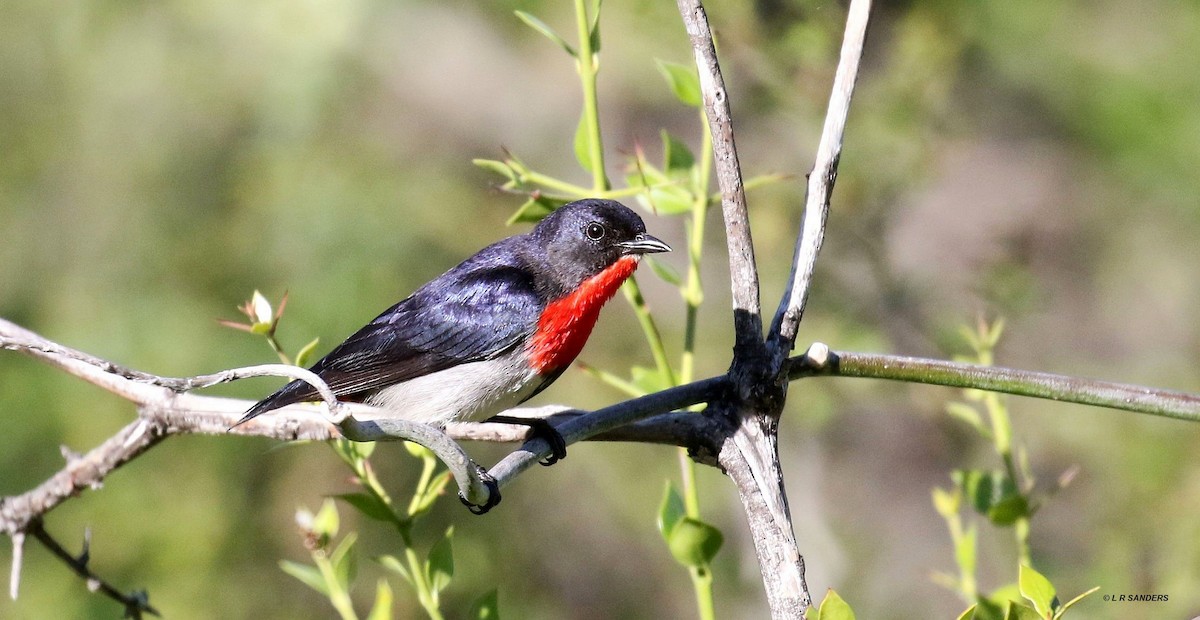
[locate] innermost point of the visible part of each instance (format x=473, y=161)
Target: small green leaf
x=694, y=543
x=583, y=144
x=441, y=562
x=416, y=449
x=547, y=31
x=946, y=502
x=309, y=575
x=382, y=609
x=990, y=609
x=325, y=522
x=964, y=550
x=370, y=505
x=594, y=29
x=486, y=607
x=663, y=270
x=834, y=607
x=611, y=380
x=345, y=560
x=262, y=309
x=968, y=414
x=969, y=614
x=683, y=81
x=1037, y=589
x=307, y=352
x=436, y=487
x=648, y=380
x=670, y=511
x=1008, y=509
x=1017, y=611
x=396, y=566
x=499, y=167
x=677, y=158
x=534, y=209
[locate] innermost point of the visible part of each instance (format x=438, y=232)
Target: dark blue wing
x=476, y=311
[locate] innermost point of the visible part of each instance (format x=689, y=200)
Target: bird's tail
x=294, y=392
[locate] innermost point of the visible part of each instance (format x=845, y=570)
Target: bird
x=491, y=332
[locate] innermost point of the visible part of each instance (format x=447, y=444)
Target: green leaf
x=946, y=502
x=309, y=575
x=612, y=380
x=325, y=522
x=964, y=550
x=307, y=352
x=677, y=158
x=345, y=560
x=370, y=505
x=263, y=315
x=594, y=29
x=436, y=487
x=986, y=489
x=396, y=566
x=663, y=270
x=1007, y=510
x=683, y=82
x=583, y=144
x=534, y=209
x=1017, y=611
x=969, y=614
x=547, y=31
x=486, y=607
x=441, y=562
x=1037, y=589
x=694, y=543
x=834, y=607
x=670, y=511
x=648, y=380
x=499, y=167
x=382, y=608
x=417, y=450
x=989, y=609
x=970, y=415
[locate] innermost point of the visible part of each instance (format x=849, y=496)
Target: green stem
x=425, y=595
x=702, y=584
x=588, y=68
x=570, y=191
x=338, y=597
x=1021, y=530
x=283, y=357
x=633, y=293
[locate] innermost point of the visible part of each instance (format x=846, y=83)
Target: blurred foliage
x=1027, y=158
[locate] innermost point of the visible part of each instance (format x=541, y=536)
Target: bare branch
x=606, y=419
x=820, y=184
x=743, y=273
x=135, y=603
x=1153, y=401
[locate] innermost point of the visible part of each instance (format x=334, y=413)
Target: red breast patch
x=567, y=321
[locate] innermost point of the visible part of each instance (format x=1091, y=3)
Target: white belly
x=471, y=391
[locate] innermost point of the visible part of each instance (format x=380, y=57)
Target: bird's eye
x=594, y=231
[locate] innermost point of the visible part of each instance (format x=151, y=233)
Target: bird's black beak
x=644, y=244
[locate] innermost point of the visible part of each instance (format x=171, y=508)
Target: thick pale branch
x=820, y=184
x=743, y=273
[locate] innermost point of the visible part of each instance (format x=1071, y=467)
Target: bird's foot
x=493, y=493
x=539, y=429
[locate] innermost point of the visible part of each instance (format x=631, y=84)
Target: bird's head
x=583, y=238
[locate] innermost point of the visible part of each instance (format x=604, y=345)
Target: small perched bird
x=493, y=331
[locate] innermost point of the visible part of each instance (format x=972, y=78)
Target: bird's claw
x=493, y=493
x=558, y=445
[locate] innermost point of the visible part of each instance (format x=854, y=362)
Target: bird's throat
x=567, y=322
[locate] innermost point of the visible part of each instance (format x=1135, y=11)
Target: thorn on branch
x=136, y=603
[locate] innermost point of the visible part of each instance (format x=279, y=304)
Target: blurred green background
x=1036, y=160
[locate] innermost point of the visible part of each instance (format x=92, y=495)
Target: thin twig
x=820, y=185
x=743, y=273
x=1152, y=401
x=135, y=603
